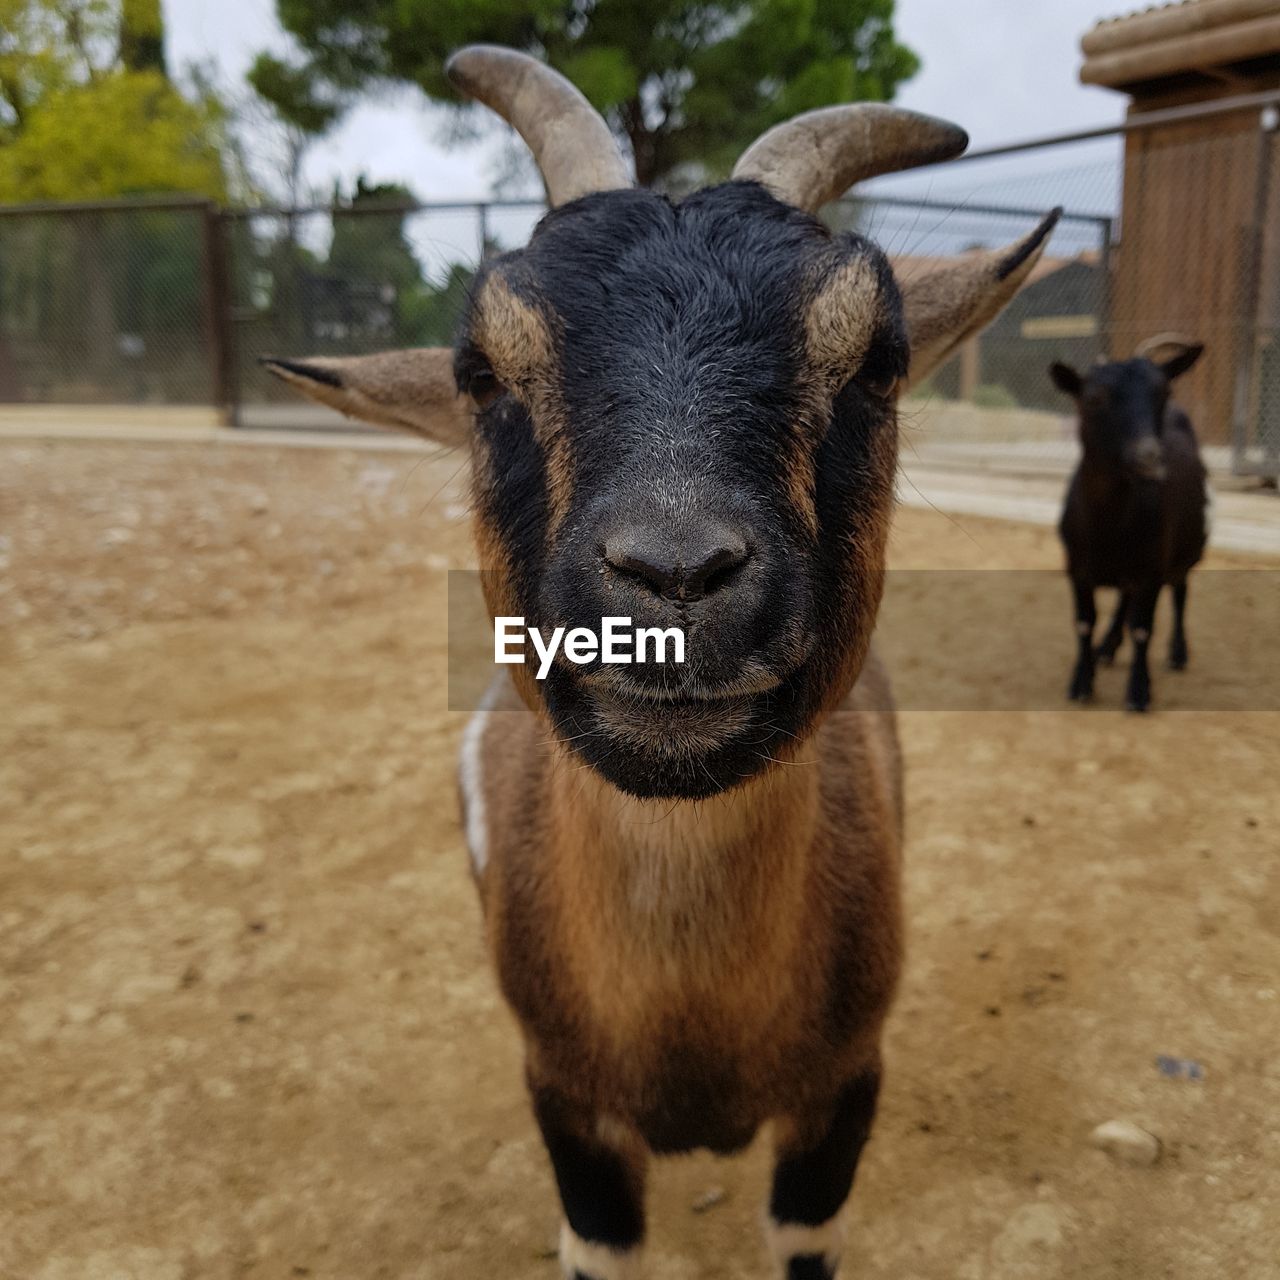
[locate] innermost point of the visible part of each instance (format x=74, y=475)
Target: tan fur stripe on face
x=839, y=324
x=497, y=576
x=519, y=344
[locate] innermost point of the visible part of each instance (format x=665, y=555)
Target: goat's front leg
x=1081, y=689
x=1142, y=614
x=816, y=1161
x=1106, y=651
x=600, y=1173
x=1178, y=641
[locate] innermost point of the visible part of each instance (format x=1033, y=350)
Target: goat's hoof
x=1105, y=657
x=1177, y=662
x=810, y=1266
x=1138, y=703
x=1081, y=690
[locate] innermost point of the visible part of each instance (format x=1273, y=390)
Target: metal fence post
x=1107, y=301
x=219, y=321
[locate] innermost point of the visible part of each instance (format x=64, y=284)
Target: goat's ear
x=408, y=390
x=951, y=303
x=1175, y=366
x=1066, y=379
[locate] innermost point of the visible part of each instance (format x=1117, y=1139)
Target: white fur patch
x=1141, y=635
x=596, y=1260
x=470, y=776
x=791, y=1240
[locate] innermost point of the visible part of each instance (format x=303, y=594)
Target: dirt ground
x=246, y=1027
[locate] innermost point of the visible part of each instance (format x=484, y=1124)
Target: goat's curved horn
x=1164, y=346
x=819, y=155
x=574, y=150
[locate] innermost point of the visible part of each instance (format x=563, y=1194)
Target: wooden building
x=1200, y=221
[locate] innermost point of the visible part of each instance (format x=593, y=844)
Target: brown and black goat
x=687, y=412
x=1135, y=510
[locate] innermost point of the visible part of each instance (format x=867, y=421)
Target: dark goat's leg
x=1178, y=641
x=817, y=1158
x=600, y=1177
x=1081, y=689
x=1106, y=651
x=1141, y=616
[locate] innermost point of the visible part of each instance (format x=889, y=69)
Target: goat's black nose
x=686, y=567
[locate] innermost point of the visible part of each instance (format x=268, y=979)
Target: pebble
x=1127, y=1142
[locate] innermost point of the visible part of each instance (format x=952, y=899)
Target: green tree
x=684, y=84
x=122, y=133
x=47, y=46
x=303, y=107
x=142, y=35
x=87, y=110
x=369, y=241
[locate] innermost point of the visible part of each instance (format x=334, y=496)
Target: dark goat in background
x=1135, y=510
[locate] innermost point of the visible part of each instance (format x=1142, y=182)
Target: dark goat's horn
x=1164, y=346
x=574, y=150
x=819, y=155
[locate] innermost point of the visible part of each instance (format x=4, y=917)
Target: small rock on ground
x=1126, y=1142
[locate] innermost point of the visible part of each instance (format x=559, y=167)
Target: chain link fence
x=109, y=304
x=1166, y=229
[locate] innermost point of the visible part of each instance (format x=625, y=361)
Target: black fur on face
x=1122, y=407
x=686, y=403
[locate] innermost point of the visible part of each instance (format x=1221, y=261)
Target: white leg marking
x=470, y=772
x=1141, y=635
x=791, y=1240
x=1084, y=628
x=596, y=1260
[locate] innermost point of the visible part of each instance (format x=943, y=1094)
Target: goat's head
x=1122, y=404
x=686, y=413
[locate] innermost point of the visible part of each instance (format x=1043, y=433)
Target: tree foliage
x=301, y=108
x=124, y=133
x=294, y=93
x=684, y=84
x=87, y=111
x=46, y=47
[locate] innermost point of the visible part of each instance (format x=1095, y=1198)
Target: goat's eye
x=881, y=372
x=483, y=387
x=882, y=387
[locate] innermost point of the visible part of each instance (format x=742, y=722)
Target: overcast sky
x=1004, y=69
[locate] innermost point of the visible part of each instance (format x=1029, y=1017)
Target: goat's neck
x=778, y=804
x=735, y=849
x=1102, y=477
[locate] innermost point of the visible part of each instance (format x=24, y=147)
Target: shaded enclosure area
x=249, y=1031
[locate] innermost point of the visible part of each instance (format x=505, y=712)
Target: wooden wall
x=1187, y=260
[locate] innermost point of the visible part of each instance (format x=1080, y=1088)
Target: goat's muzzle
x=1145, y=459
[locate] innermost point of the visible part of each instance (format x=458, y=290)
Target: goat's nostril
x=715, y=569
x=687, y=569
x=654, y=571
